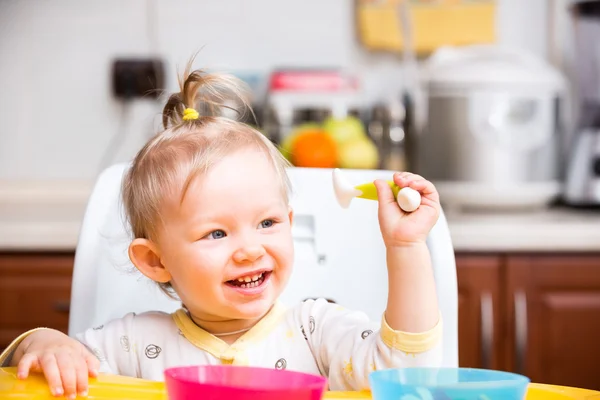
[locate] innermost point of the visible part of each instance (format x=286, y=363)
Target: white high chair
x=339, y=255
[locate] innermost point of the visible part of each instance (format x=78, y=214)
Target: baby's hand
x=399, y=228
x=65, y=362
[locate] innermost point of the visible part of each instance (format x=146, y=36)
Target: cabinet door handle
x=62, y=306
x=520, y=330
x=487, y=329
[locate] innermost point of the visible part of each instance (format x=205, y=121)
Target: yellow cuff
x=411, y=342
x=8, y=353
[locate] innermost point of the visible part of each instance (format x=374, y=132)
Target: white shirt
x=315, y=337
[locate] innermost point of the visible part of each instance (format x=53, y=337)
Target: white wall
x=57, y=115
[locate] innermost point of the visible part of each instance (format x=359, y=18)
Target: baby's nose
x=249, y=253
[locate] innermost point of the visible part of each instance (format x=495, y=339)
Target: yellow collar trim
x=219, y=348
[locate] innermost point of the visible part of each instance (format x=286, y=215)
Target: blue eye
x=218, y=234
x=267, y=223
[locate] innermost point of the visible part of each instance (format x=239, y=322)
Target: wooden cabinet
x=480, y=311
x=553, y=317
x=35, y=290
x=535, y=314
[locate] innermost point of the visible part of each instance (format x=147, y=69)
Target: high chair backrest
x=339, y=255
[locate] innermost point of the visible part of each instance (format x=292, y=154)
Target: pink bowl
x=216, y=382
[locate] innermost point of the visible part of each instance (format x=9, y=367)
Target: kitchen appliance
x=491, y=137
x=582, y=186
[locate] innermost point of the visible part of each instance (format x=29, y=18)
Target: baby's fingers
x=426, y=188
x=81, y=372
x=423, y=186
x=387, y=204
x=27, y=363
x=403, y=179
x=68, y=373
x=93, y=363
x=52, y=373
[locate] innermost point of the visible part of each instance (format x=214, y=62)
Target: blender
x=582, y=185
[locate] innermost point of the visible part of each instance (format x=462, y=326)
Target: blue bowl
x=447, y=384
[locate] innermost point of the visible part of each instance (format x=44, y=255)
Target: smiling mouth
x=247, y=282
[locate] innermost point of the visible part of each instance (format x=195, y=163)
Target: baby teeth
x=249, y=285
x=249, y=279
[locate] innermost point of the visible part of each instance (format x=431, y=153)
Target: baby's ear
x=291, y=214
x=144, y=254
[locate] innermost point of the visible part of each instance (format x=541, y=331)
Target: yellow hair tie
x=189, y=114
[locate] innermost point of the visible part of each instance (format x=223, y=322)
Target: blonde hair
x=167, y=164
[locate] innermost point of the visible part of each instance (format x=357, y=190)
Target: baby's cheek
x=280, y=246
x=211, y=260
x=290, y=245
x=288, y=255
x=199, y=271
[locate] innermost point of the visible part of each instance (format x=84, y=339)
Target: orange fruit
x=314, y=148
x=288, y=143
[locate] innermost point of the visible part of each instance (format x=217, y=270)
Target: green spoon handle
x=369, y=191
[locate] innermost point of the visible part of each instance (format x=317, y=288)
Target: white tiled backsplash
x=57, y=114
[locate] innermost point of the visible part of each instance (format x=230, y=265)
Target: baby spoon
x=408, y=199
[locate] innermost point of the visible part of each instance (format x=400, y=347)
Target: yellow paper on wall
x=435, y=23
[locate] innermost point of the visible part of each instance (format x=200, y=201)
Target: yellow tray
x=108, y=387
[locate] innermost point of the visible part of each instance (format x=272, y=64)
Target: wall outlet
x=137, y=78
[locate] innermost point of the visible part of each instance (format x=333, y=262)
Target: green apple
x=343, y=130
x=358, y=154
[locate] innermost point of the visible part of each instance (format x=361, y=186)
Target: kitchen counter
x=42, y=216
x=47, y=217
x=552, y=229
